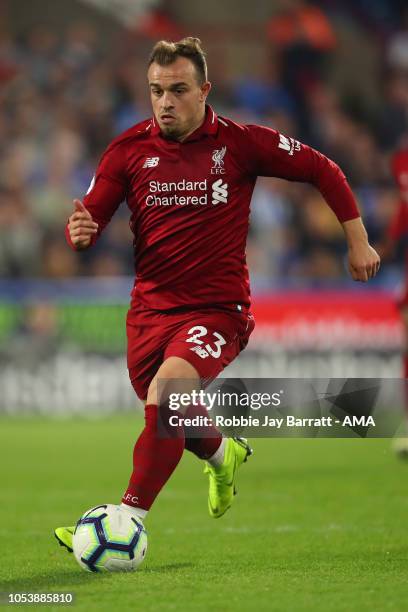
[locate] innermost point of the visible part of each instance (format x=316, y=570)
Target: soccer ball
x=109, y=538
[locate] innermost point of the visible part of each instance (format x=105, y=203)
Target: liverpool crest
x=218, y=161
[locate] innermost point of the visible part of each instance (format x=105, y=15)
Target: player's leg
x=210, y=341
x=204, y=441
x=148, y=337
x=148, y=333
x=160, y=445
x=223, y=456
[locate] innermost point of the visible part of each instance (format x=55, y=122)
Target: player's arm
x=106, y=192
x=363, y=260
x=81, y=228
x=276, y=155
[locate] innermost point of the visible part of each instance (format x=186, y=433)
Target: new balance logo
x=219, y=192
x=151, y=162
x=288, y=144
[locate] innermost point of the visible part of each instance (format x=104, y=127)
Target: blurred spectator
x=393, y=117
x=263, y=92
x=397, y=52
x=303, y=36
x=19, y=236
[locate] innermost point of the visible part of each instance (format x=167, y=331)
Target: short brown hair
x=165, y=53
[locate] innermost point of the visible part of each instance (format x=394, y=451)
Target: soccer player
x=397, y=235
x=187, y=176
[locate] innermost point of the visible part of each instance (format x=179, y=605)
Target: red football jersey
x=190, y=201
x=399, y=223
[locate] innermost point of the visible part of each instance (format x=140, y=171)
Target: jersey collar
x=209, y=126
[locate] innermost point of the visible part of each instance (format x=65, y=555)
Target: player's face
x=178, y=99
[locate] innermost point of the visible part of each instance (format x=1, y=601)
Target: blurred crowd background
x=331, y=73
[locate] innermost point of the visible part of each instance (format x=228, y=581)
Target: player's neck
x=194, y=127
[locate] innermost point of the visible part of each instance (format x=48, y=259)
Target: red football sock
x=155, y=456
x=206, y=438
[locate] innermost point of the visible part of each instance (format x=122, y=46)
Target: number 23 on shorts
x=204, y=350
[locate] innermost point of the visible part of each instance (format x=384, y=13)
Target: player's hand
x=81, y=226
x=364, y=261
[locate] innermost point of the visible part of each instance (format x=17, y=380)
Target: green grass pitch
x=317, y=524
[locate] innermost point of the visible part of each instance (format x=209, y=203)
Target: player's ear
x=205, y=90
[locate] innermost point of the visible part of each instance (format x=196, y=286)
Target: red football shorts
x=209, y=339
